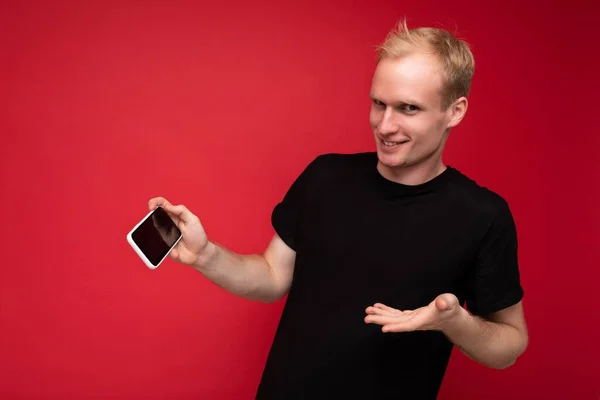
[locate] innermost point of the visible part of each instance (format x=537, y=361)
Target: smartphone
x=154, y=237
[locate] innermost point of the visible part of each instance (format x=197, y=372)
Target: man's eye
x=378, y=103
x=409, y=108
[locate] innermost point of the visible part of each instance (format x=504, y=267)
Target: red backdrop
x=219, y=106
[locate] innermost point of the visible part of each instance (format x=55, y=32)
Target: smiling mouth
x=392, y=144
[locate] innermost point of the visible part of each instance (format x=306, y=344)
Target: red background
x=219, y=106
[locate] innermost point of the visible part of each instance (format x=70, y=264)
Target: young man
x=379, y=251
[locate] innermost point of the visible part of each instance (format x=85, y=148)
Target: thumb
x=446, y=302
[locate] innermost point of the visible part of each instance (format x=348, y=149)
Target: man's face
x=406, y=116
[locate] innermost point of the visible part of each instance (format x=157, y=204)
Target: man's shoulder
x=343, y=161
x=476, y=195
x=346, y=158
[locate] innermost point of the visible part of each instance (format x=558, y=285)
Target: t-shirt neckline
x=433, y=184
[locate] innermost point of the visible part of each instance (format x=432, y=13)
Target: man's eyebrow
x=398, y=102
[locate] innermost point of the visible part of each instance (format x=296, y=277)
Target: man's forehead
x=416, y=76
x=410, y=68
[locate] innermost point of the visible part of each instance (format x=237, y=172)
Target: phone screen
x=156, y=235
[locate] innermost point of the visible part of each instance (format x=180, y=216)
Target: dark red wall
x=219, y=106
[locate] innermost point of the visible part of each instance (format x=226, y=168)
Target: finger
x=162, y=202
x=384, y=307
x=381, y=311
x=157, y=201
x=174, y=254
x=441, y=304
x=385, y=319
x=445, y=302
x=181, y=212
x=406, y=326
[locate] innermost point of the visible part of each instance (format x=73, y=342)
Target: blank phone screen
x=156, y=235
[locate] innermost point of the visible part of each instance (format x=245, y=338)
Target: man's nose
x=387, y=125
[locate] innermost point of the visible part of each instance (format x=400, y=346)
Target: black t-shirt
x=361, y=239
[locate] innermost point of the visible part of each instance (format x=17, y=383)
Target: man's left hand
x=440, y=313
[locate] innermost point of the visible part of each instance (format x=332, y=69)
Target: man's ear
x=457, y=111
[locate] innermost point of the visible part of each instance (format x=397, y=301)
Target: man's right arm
x=265, y=277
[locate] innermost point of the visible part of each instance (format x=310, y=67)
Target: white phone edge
x=139, y=251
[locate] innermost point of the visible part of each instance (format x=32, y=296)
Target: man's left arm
x=495, y=341
x=494, y=332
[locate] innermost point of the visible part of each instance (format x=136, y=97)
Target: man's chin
x=390, y=160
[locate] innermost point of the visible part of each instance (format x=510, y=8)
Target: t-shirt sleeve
x=287, y=214
x=496, y=282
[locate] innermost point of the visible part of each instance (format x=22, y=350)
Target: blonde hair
x=455, y=57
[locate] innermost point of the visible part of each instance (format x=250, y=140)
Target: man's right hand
x=266, y=277
x=194, y=243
